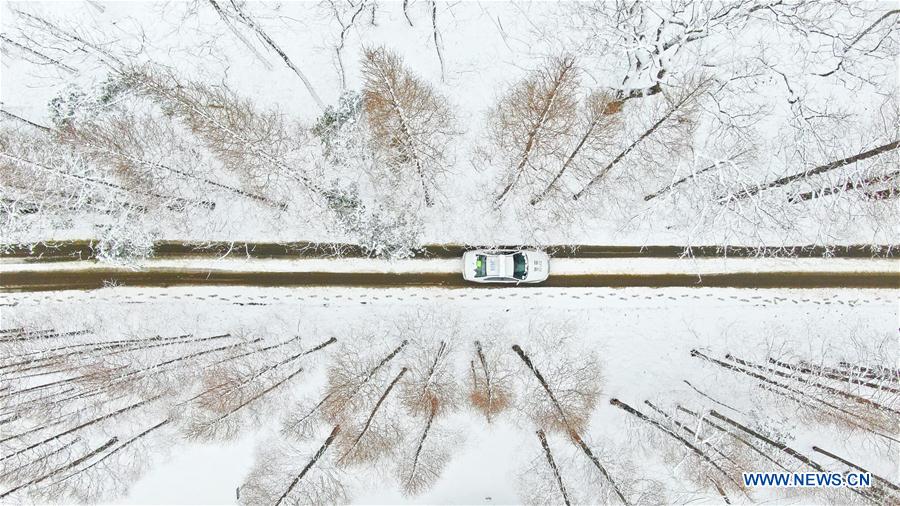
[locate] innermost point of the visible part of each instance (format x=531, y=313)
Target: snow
x=786, y=118
x=558, y=266
x=488, y=47
x=196, y=474
x=642, y=337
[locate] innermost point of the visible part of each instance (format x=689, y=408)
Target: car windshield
x=480, y=266
x=520, y=267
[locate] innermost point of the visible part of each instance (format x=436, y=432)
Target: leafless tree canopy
x=411, y=125
x=529, y=125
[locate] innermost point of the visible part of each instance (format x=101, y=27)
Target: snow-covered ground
x=641, y=337
x=773, y=99
x=390, y=125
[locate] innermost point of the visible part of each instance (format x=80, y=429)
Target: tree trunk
x=687, y=429
x=553, y=467
x=596, y=461
x=545, y=385
x=488, y=385
x=82, y=426
x=567, y=66
x=131, y=373
x=811, y=172
x=700, y=453
x=433, y=368
x=845, y=379
x=647, y=133
x=186, y=357
x=119, y=448
x=849, y=185
x=816, y=384
x=384, y=361
x=264, y=369
x=688, y=383
x=310, y=464
x=690, y=176
x=568, y=162
x=421, y=444
x=268, y=40
x=47, y=456
x=257, y=396
x=54, y=421
x=888, y=193
x=884, y=481
x=720, y=490
x=224, y=17
x=743, y=441
x=573, y=434
x=84, y=345
x=410, y=142
x=176, y=202
x=876, y=372
x=42, y=57
x=784, y=448
x=848, y=417
x=43, y=334
x=74, y=463
x=375, y=409
x=131, y=348
x=362, y=382
x=695, y=353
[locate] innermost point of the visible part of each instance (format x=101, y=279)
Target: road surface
x=20, y=275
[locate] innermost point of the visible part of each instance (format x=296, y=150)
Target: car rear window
x=520, y=267
x=480, y=266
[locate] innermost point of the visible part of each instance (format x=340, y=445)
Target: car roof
x=499, y=266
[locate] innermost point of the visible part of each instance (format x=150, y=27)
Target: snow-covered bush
x=335, y=121
x=74, y=103
x=126, y=240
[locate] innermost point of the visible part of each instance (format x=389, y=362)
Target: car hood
x=538, y=265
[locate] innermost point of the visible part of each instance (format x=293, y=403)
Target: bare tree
x=886, y=148
x=425, y=451
x=552, y=463
x=255, y=144
x=353, y=381
x=236, y=12
x=710, y=466
x=222, y=403
x=430, y=394
x=532, y=120
x=595, y=131
x=346, y=14
x=278, y=478
x=565, y=397
x=411, y=124
x=887, y=487
x=45, y=182
x=566, y=394
x=491, y=391
x=133, y=147
x=376, y=434
x=677, y=114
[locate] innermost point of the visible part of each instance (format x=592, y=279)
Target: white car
x=492, y=266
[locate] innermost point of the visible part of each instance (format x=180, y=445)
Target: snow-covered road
x=558, y=266
x=564, y=272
